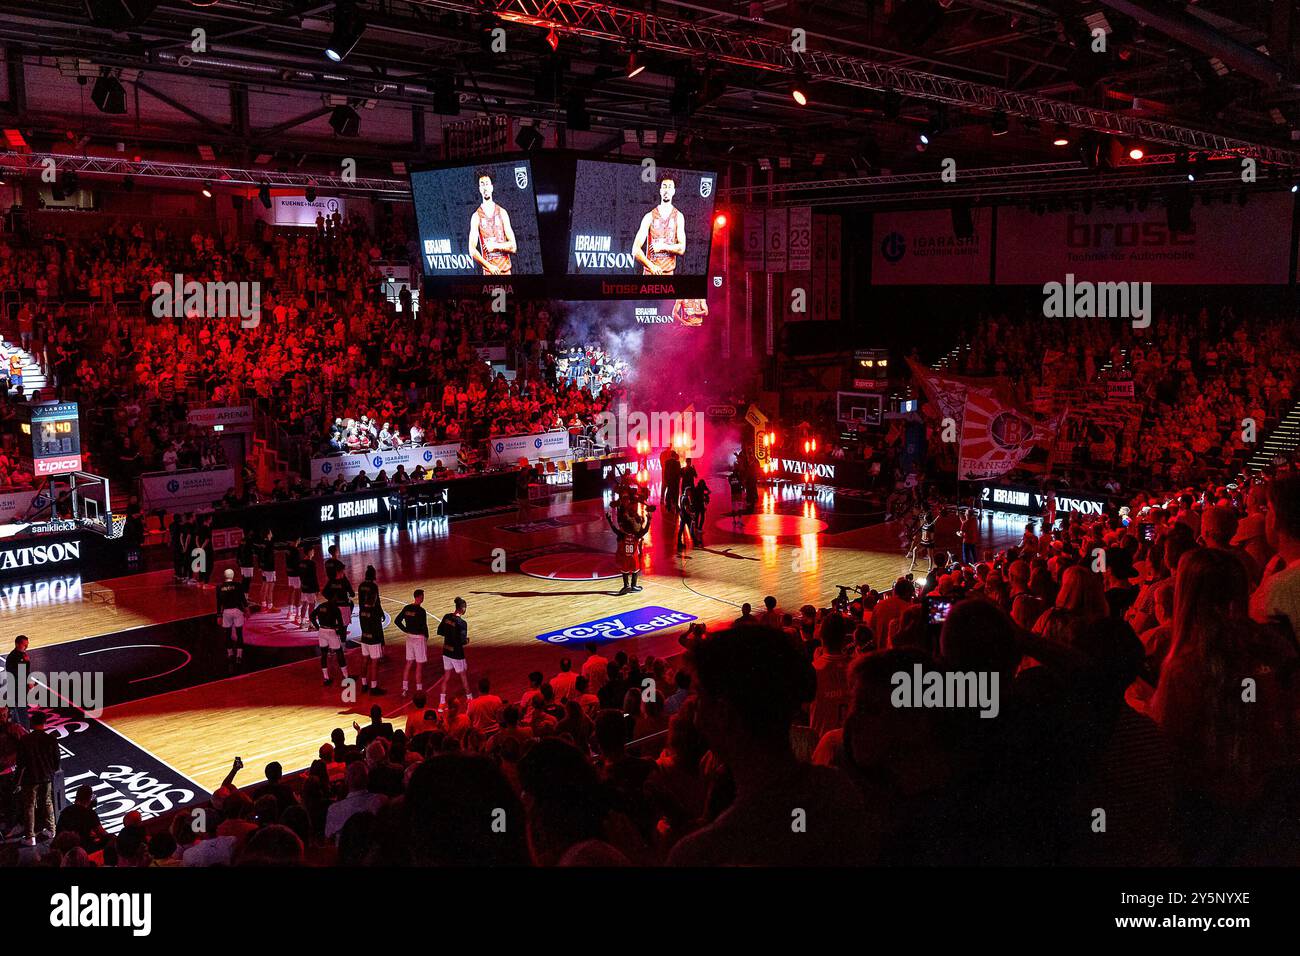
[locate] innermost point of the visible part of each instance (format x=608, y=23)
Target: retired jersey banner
x=1228, y=245
x=755, y=238
x=920, y=248
x=799, y=239
x=777, y=252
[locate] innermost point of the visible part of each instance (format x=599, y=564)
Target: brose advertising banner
x=1228, y=245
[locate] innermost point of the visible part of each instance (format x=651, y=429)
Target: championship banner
x=919, y=248
x=995, y=437
x=349, y=466
x=1229, y=245
x=755, y=239
x=777, y=253
x=799, y=239
x=532, y=447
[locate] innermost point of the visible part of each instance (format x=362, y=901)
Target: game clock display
x=56, y=438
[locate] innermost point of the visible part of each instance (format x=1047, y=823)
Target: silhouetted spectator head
x=463, y=812
x=750, y=684
x=979, y=636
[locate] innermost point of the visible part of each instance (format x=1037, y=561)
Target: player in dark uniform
x=333, y=566
x=293, y=578
x=310, y=586
x=187, y=548
x=671, y=470
x=327, y=619
x=266, y=558
x=179, y=561
x=231, y=604
x=413, y=621
x=686, y=517
x=203, y=546
x=700, y=496
x=246, y=555
x=371, y=614
x=339, y=589
x=455, y=635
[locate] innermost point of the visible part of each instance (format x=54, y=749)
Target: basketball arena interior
x=648, y=435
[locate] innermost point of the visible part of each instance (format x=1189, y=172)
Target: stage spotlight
x=349, y=24
x=264, y=195
x=207, y=189
x=345, y=121
x=310, y=193
x=553, y=39
x=528, y=138
x=1135, y=151
x=720, y=220
x=108, y=95
x=799, y=89
x=999, y=123
x=1062, y=137
x=635, y=65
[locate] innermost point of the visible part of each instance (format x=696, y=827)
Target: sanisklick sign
x=644, y=620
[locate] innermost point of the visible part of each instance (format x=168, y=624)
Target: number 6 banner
x=776, y=240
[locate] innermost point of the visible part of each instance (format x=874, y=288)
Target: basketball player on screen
x=491, y=240
x=664, y=227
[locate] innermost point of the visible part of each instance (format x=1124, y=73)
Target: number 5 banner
x=755, y=237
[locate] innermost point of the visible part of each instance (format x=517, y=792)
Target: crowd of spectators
x=326, y=345
x=1144, y=711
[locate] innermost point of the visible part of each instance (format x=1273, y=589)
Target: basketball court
x=539, y=585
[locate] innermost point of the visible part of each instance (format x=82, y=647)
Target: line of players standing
x=328, y=610
x=686, y=494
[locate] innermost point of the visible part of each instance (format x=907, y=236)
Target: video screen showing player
x=635, y=220
x=477, y=220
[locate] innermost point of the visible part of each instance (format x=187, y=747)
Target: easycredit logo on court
x=632, y=624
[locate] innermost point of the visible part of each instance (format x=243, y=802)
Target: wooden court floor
x=500, y=565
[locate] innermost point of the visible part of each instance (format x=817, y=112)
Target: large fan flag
x=948, y=392
x=995, y=436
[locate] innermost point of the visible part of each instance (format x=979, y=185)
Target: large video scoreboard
x=565, y=227
x=54, y=429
